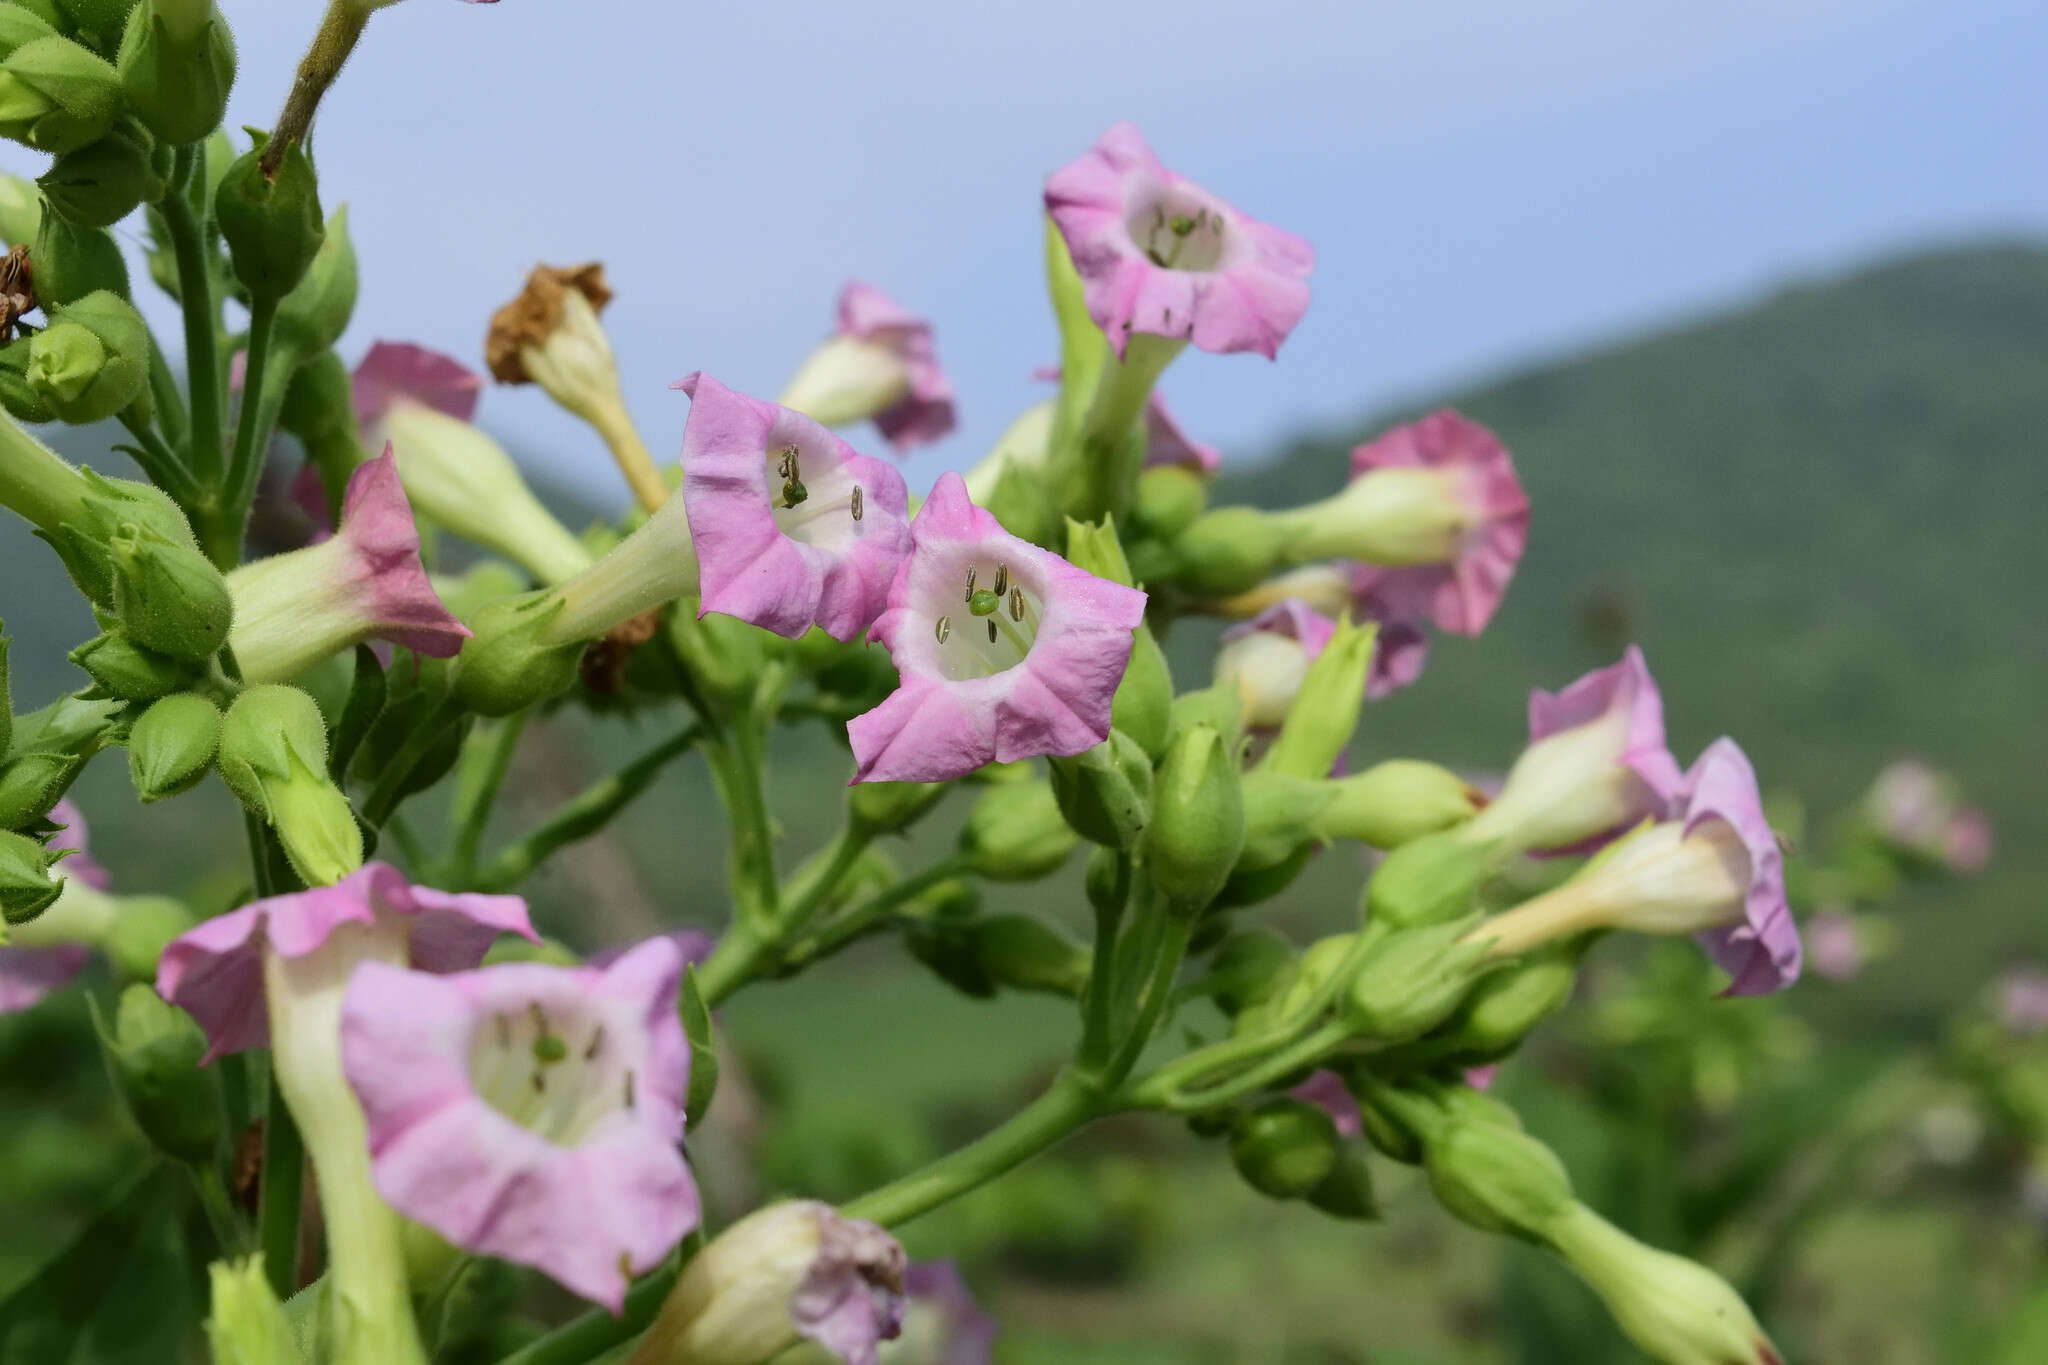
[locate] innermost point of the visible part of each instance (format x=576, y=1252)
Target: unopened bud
x=172, y=744
x=32, y=785
x=312, y=317
x=142, y=926
x=17, y=395
x=1347, y=1191
x=1676, y=1310
x=177, y=63
x=1411, y=980
x=1106, y=792
x=72, y=261
x=1023, y=953
x=273, y=225
x=891, y=807
x=57, y=95
x=100, y=183
x=26, y=884
x=1429, y=880
x=97, y=511
x=153, y=1054
x=1497, y=1178
x=1285, y=1148
x=1016, y=833
x=1198, y=823
x=1017, y=499
x=1319, y=725
x=247, y=1325
x=169, y=597
x=121, y=668
x=92, y=360
x=507, y=666
x=273, y=756
x=1506, y=1004
x=1169, y=499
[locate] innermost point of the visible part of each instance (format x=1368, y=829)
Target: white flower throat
x=815, y=500
x=988, y=625
x=1178, y=231
x=554, y=1072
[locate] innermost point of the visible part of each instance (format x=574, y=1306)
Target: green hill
x=1823, y=516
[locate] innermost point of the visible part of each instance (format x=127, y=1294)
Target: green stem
x=202, y=321
x=597, y=1331
x=1097, y=1035
x=277, y=1205
x=339, y=29
x=252, y=427
x=158, y=461
x=741, y=953
x=582, y=815
x=163, y=392
x=1112, y=440
x=1157, y=990
x=1159, y=1091
x=1068, y=1104
x=486, y=756
x=220, y=1214
x=869, y=915
x=737, y=768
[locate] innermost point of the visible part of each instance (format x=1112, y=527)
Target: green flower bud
x=1428, y=881
x=1024, y=953
x=1508, y=1003
x=56, y=95
x=273, y=756
x=1227, y=551
x=86, y=512
x=1106, y=792
x=92, y=360
x=121, y=668
x=1019, y=502
x=1397, y=802
x=1249, y=968
x=1285, y=1148
x=96, y=23
x=26, y=886
x=33, y=784
x=1347, y=1192
x=169, y=597
x=1170, y=497
x=1497, y=1178
x=1015, y=833
x=1325, y=712
x=171, y=745
x=153, y=1055
x=73, y=261
x=142, y=926
x=506, y=667
x=17, y=395
x=1143, y=705
x=891, y=807
x=21, y=203
x=318, y=401
x=247, y=1325
x=177, y=62
x=312, y=317
x=273, y=228
x=1676, y=1310
x=1106, y=881
x=101, y=183
x=1411, y=980
x=1197, y=827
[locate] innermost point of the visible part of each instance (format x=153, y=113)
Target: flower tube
x=878, y=365
x=1713, y=869
x=275, y=971
x=531, y=1112
x=418, y=403
x=365, y=582
x=1005, y=650
x=793, y=527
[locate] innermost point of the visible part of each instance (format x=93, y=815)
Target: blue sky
x=1484, y=181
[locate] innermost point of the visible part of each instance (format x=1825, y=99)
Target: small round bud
x=891, y=807
x=1347, y=1191
x=171, y=746
x=273, y=228
x=33, y=784
x=177, y=62
x=1285, y=1148
x=1428, y=881
x=101, y=183
x=121, y=668
x=273, y=756
x=169, y=597
x=92, y=360
x=506, y=667
x=1015, y=832
x=1227, y=551
x=312, y=317
x=1170, y=497
x=1106, y=792
x=1250, y=967
x=72, y=261
x=57, y=95
x=153, y=1054
x=1106, y=881
x=1197, y=827
x=1497, y=1178
x=1507, y=1004
x=1411, y=980
x=26, y=886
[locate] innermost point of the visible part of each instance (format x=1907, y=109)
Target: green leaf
x=365, y=703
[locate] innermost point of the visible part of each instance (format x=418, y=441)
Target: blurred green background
x=1822, y=515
